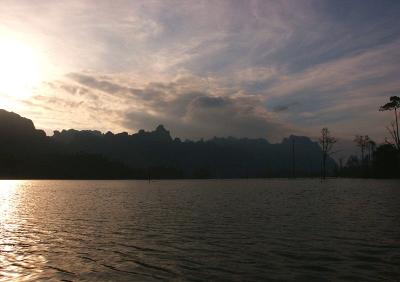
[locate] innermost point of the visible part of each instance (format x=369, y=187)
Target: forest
x=381, y=161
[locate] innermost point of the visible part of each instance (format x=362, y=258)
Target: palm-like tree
x=394, y=104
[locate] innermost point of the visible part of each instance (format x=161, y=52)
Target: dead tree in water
x=341, y=157
x=326, y=142
x=362, y=142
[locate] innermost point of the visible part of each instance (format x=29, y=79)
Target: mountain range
x=26, y=152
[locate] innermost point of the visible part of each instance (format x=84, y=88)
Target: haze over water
x=191, y=230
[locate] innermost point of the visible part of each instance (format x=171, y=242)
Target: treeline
x=79, y=166
x=381, y=163
x=376, y=162
x=96, y=166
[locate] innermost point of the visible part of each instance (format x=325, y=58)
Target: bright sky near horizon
x=257, y=69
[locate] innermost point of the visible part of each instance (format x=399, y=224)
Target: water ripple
x=200, y=231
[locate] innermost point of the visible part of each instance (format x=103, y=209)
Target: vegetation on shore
x=375, y=161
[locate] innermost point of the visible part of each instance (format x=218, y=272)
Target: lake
x=200, y=230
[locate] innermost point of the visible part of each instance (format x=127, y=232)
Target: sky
x=256, y=69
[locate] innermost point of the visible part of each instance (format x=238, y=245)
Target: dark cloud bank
x=184, y=105
x=281, y=108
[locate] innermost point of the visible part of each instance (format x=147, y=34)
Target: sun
x=18, y=69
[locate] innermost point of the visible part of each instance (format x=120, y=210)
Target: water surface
x=210, y=230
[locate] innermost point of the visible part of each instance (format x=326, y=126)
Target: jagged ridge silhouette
x=27, y=152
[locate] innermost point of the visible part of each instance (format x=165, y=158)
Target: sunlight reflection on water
x=218, y=230
x=16, y=244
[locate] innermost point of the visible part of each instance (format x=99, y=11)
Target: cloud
x=94, y=83
x=340, y=74
x=281, y=108
x=206, y=102
x=214, y=67
x=187, y=106
x=238, y=115
x=70, y=89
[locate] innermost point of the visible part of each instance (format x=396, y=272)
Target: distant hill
x=19, y=137
x=216, y=158
x=222, y=157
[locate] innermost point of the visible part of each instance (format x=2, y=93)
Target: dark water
x=215, y=230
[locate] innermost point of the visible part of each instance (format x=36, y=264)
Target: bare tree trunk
x=397, y=127
x=327, y=142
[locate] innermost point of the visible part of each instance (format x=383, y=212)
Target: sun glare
x=6, y=190
x=7, y=185
x=18, y=69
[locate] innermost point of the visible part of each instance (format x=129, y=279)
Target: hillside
x=216, y=158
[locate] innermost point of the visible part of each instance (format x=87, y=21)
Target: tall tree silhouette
x=394, y=104
x=327, y=142
x=341, y=158
x=362, y=142
x=371, y=145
